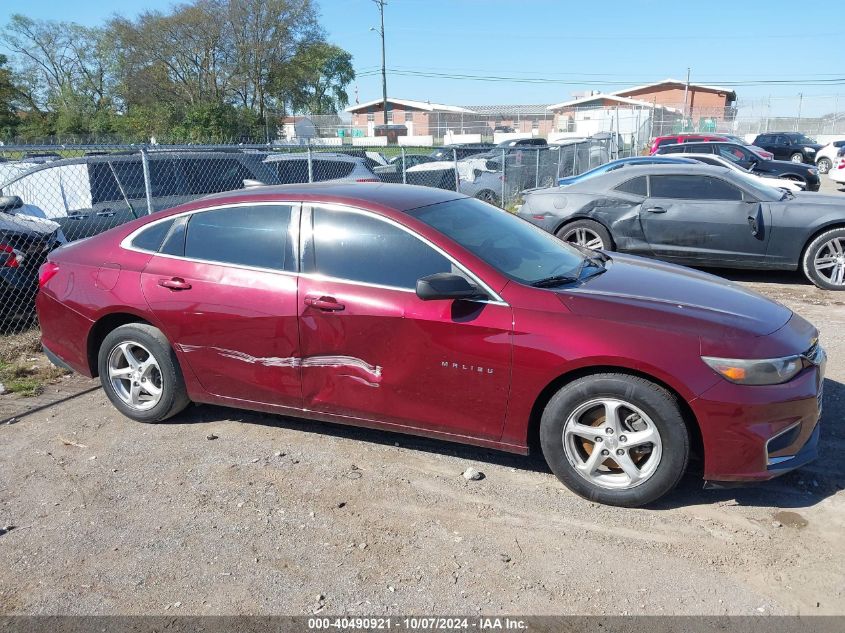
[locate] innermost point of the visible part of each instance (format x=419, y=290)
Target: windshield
x=509, y=244
x=761, y=191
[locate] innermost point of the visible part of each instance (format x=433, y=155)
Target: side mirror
x=446, y=286
x=10, y=203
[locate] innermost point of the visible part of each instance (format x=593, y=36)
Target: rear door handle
x=656, y=210
x=105, y=213
x=174, y=283
x=325, y=303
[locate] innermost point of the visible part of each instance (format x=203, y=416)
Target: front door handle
x=656, y=210
x=325, y=303
x=752, y=223
x=105, y=213
x=174, y=283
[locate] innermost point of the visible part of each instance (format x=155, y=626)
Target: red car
x=423, y=311
x=674, y=139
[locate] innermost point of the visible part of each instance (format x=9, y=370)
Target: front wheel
x=140, y=373
x=824, y=260
x=616, y=439
x=797, y=157
x=824, y=165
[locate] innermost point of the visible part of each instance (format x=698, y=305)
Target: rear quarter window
x=636, y=186
x=150, y=239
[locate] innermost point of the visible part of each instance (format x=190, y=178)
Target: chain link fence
x=51, y=195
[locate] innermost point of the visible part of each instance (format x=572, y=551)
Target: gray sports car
x=699, y=215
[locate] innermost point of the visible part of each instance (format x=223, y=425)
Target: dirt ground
x=282, y=516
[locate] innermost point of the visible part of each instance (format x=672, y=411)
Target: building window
x=371, y=116
x=398, y=116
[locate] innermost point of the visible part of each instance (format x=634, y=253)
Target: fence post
x=537, y=167
x=574, y=158
x=455, y=163
x=559, y=159
x=404, y=167
x=148, y=187
x=504, y=178
x=310, y=164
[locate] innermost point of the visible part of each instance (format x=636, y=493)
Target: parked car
x=792, y=146
x=700, y=216
x=580, y=155
x=674, y=139
x=479, y=177
x=746, y=157
x=396, y=166
x=719, y=161
x=614, y=365
x=522, y=142
x=460, y=150
x=623, y=162
x=24, y=244
x=827, y=155
x=837, y=172
x=325, y=166
x=93, y=194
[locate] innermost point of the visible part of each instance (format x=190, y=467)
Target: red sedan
x=423, y=311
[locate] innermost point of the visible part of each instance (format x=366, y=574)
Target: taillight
x=10, y=257
x=47, y=271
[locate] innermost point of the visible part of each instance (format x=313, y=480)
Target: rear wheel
x=824, y=165
x=616, y=439
x=586, y=233
x=140, y=373
x=797, y=157
x=824, y=260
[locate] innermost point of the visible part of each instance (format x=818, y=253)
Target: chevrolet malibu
x=423, y=311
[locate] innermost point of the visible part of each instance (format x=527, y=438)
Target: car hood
x=21, y=223
x=674, y=297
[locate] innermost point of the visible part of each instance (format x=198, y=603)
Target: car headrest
x=10, y=203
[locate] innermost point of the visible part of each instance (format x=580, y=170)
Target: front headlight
x=767, y=371
x=810, y=150
x=814, y=171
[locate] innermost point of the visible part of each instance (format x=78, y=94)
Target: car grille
x=815, y=355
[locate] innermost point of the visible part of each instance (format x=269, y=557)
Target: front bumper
x=756, y=433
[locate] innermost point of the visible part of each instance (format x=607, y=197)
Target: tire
x=132, y=385
x=642, y=407
x=797, y=157
x=824, y=165
x=824, y=260
x=586, y=233
x=794, y=178
x=488, y=196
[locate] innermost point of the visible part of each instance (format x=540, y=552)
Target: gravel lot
x=281, y=516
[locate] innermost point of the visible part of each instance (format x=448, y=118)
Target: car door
x=223, y=286
x=703, y=219
x=371, y=349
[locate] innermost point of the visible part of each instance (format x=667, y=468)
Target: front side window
x=361, y=248
x=689, y=187
x=213, y=175
x=291, y=171
x=244, y=236
x=509, y=244
x=734, y=153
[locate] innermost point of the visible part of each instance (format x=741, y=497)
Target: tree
x=8, y=94
x=315, y=80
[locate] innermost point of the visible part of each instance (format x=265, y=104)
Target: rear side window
x=246, y=236
x=104, y=187
x=364, y=249
x=291, y=171
x=688, y=187
x=636, y=186
x=674, y=149
x=331, y=169
x=213, y=175
x=666, y=141
x=150, y=239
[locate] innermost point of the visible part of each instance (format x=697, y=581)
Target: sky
x=474, y=52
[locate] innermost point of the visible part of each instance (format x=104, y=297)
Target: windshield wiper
x=554, y=280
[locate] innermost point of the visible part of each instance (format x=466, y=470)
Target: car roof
x=347, y=158
x=392, y=196
x=610, y=179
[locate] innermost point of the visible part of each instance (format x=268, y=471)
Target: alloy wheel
x=796, y=158
x=829, y=261
x=135, y=375
x=612, y=444
x=824, y=165
x=584, y=237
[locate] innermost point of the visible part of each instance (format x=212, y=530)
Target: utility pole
x=380, y=4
